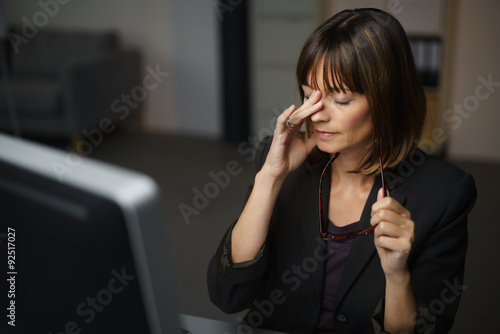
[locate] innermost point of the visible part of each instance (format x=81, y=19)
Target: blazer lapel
x=310, y=219
x=363, y=248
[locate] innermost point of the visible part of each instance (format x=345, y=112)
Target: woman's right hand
x=287, y=152
x=288, y=149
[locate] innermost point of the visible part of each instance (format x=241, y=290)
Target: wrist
x=400, y=304
x=401, y=278
x=268, y=180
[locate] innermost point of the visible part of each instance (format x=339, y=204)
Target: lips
x=325, y=134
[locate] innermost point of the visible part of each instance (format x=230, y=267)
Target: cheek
x=360, y=120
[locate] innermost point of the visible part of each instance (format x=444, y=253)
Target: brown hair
x=367, y=51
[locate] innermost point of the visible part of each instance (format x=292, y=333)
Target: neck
x=341, y=176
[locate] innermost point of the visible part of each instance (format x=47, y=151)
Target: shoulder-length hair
x=367, y=51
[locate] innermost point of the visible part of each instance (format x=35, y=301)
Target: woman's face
x=343, y=124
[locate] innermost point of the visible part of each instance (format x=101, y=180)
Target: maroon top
x=338, y=251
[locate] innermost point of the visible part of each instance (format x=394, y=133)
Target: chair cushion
x=49, y=51
x=34, y=98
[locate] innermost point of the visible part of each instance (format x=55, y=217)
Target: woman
x=403, y=273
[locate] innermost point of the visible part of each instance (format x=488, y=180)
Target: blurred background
x=184, y=89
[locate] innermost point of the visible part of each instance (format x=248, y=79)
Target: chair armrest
x=91, y=84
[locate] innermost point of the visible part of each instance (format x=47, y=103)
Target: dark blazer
x=283, y=285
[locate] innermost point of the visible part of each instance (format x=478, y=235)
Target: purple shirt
x=338, y=252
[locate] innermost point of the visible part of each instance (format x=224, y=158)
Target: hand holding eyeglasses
x=394, y=234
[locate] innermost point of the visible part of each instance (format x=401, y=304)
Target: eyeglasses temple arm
x=382, y=173
x=322, y=220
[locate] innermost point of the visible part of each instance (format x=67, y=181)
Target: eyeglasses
x=323, y=223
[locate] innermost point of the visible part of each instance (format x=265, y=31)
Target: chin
x=328, y=148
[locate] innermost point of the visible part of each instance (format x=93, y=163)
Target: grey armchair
x=65, y=82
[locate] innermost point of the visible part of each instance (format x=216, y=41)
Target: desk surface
x=198, y=325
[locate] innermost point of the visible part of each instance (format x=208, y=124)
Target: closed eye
x=342, y=103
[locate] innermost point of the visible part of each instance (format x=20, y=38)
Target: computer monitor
x=84, y=246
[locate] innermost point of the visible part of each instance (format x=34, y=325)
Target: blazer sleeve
x=437, y=270
x=234, y=286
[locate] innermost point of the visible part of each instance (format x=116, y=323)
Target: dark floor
x=184, y=166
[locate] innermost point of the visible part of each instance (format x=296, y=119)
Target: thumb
x=380, y=194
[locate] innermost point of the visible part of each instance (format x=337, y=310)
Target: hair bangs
x=332, y=69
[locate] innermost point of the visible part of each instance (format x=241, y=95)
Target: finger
x=389, y=203
x=315, y=97
x=399, y=245
x=383, y=216
x=285, y=115
x=380, y=194
x=310, y=107
x=312, y=101
x=403, y=230
x=385, y=230
x=394, y=237
x=391, y=217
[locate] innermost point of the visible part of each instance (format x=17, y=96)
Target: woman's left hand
x=394, y=235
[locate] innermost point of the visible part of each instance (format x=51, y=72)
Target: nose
x=322, y=115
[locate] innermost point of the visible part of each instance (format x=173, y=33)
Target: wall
x=196, y=66
x=422, y=17
x=473, y=111
x=278, y=29
x=178, y=39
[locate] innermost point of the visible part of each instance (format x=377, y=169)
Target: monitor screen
x=85, y=246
